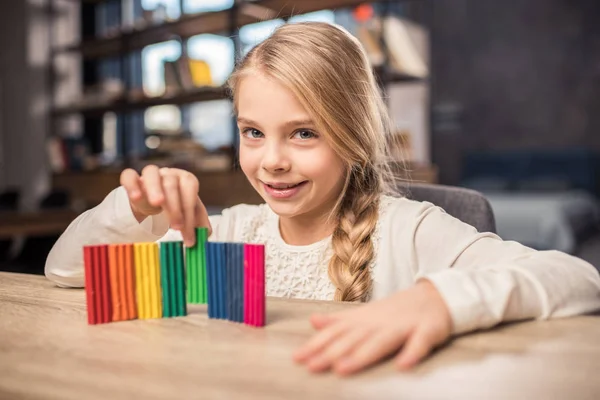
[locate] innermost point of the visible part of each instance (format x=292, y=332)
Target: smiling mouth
x=283, y=186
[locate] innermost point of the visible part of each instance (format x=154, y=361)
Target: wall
x=24, y=94
x=23, y=121
x=509, y=74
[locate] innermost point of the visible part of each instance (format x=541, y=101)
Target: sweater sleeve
x=485, y=280
x=112, y=221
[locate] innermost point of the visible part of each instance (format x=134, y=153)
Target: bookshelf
x=243, y=13
x=228, y=21
x=117, y=45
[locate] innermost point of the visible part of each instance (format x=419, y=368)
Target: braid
x=351, y=240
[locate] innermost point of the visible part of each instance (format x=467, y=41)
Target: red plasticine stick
x=254, y=285
x=97, y=277
x=89, y=285
x=97, y=284
x=105, y=276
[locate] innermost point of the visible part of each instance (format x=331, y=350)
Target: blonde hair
x=328, y=71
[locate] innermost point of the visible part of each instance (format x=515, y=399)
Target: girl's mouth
x=283, y=190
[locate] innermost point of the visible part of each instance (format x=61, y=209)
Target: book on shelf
x=186, y=74
x=68, y=154
x=405, y=42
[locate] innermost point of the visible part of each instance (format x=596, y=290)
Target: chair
x=467, y=205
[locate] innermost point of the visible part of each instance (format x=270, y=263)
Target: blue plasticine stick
x=235, y=282
x=230, y=281
x=221, y=266
x=239, y=282
x=210, y=262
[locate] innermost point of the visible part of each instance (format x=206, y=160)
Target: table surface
x=47, y=350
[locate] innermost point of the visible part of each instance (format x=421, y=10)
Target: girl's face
x=286, y=159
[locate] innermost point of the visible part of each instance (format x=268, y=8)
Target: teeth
x=283, y=186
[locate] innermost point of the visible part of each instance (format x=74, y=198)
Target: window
x=195, y=6
x=211, y=123
x=153, y=72
x=317, y=16
x=171, y=7
x=167, y=117
x=217, y=51
x=253, y=34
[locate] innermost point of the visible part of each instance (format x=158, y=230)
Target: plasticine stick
x=115, y=282
x=180, y=279
x=254, y=285
x=222, y=280
x=127, y=262
x=164, y=279
x=148, y=280
x=210, y=278
x=235, y=282
x=90, y=291
x=196, y=268
x=102, y=252
x=98, y=292
x=155, y=290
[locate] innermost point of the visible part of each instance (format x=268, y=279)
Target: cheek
x=249, y=161
x=325, y=167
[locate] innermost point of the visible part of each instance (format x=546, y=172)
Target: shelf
x=391, y=76
x=199, y=95
x=205, y=94
x=210, y=22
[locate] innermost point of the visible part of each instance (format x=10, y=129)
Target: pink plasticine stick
x=260, y=285
x=254, y=285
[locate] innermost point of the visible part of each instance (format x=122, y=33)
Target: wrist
x=430, y=291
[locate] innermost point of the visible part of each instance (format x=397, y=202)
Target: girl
x=313, y=131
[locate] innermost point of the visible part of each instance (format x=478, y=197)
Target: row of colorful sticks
x=139, y=280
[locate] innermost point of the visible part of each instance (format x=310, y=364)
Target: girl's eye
x=252, y=133
x=305, y=135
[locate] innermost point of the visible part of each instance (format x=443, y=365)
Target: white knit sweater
x=482, y=279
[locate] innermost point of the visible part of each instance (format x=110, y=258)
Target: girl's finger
x=320, y=341
x=172, y=204
x=341, y=347
x=416, y=348
x=188, y=185
x=130, y=180
x=152, y=185
x=375, y=348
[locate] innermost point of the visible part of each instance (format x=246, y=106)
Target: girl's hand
x=172, y=190
x=411, y=322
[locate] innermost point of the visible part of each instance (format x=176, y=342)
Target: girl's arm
x=465, y=280
x=141, y=210
x=485, y=280
x=112, y=221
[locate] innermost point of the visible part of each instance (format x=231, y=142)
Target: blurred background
x=498, y=96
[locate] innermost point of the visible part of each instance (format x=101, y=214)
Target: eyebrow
x=288, y=124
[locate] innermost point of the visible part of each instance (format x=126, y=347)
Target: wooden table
x=48, y=222
x=47, y=350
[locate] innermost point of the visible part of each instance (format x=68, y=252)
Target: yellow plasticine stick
x=155, y=308
x=149, y=294
x=140, y=278
x=147, y=281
